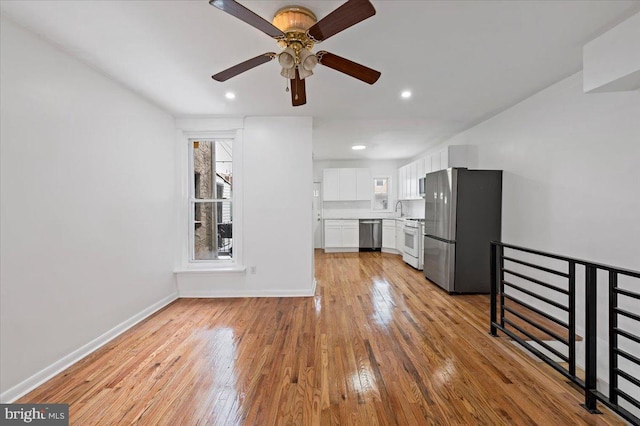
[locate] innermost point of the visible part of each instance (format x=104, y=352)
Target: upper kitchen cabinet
x=347, y=184
x=331, y=184
x=408, y=175
x=364, y=184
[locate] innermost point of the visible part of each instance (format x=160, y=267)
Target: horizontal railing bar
x=533, y=280
x=628, y=377
x=629, y=398
x=537, y=296
x=533, y=265
x=627, y=314
x=627, y=355
x=538, y=341
x=626, y=292
x=537, y=311
x=542, y=356
x=628, y=335
x=621, y=411
x=622, y=271
x=538, y=326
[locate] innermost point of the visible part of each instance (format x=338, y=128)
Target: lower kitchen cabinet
x=399, y=235
x=389, y=234
x=341, y=235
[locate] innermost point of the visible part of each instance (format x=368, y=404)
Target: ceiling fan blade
x=243, y=66
x=348, y=67
x=234, y=8
x=298, y=92
x=347, y=15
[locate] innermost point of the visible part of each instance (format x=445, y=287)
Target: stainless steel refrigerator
x=463, y=211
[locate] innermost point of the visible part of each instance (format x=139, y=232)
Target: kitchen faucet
x=395, y=209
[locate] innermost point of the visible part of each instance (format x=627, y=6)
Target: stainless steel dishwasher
x=370, y=234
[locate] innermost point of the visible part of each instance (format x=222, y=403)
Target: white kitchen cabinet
x=388, y=234
x=331, y=184
x=346, y=184
x=454, y=156
x=402, y=183
x=399, y=235
x=332, y=233
x=350, y=234
x=420, y=169
x=435, y=162
x=413, y=180
x=364, y=184
x=341, y=235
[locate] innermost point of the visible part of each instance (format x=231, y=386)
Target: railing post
x=591, y=297
x=494, y=276
x=501, y=275
x=572, y=318
x=613, y=338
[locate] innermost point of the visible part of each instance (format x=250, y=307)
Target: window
x=211, y=200
x=381, y=194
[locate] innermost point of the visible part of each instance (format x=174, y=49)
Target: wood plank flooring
x=377, y=345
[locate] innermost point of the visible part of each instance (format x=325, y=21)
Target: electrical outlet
x=253, y=270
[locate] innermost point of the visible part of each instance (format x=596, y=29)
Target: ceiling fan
x=296, y=30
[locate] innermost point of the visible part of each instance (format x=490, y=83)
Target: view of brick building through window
x=211, y=199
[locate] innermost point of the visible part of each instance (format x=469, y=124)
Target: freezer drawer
x=439, y=262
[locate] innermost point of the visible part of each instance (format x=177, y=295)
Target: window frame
x=184, y=169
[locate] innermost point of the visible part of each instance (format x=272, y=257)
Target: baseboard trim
x=47, y=373
x=223, y=294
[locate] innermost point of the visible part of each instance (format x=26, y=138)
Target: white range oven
x=412, y=242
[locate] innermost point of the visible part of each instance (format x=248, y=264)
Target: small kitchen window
x=380, y=201
x=211, y=200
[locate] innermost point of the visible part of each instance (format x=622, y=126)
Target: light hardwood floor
x=377, y=345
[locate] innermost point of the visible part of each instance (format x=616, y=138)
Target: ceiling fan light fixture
x=308, y=60
x=304, y=73
x=287, y=58
x=289, y=73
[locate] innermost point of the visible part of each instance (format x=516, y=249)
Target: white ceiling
x=464, y=61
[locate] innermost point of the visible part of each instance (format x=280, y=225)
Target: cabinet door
x=427, y=165
x=457, y=156
x=402, y=195
x=331, y=184
x=348, y=184
x=435, y=162
x=420, y=173
x=413, y=180
x=444, y=158
x=350, y=234
x=389, y=236
x=399, y=235
x=332, y=233
x=364, y=184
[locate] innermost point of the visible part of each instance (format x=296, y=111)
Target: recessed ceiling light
x=358, y=147
x=406, y=94
x=230, y=95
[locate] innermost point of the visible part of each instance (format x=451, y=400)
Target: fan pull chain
x=287, y=86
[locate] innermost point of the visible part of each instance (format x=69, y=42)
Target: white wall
x=276, y=192
x=87, y=208
x=571, y=173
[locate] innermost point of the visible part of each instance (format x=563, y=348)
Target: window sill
x=236, y=269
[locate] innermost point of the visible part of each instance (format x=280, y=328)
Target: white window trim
x=389, y=193
x=185, y=236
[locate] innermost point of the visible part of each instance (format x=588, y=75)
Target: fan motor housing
x=294, y=21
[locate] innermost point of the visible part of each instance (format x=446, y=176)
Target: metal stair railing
x=547, y=302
